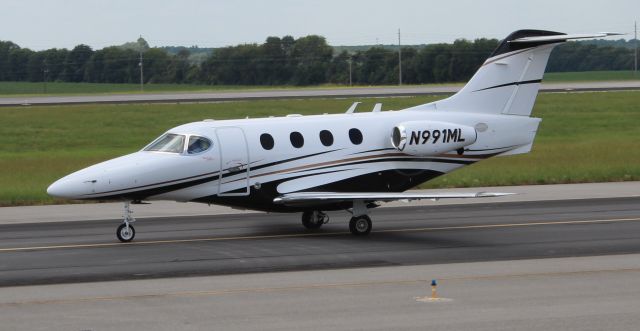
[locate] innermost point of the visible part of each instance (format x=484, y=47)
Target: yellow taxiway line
x=299, y=235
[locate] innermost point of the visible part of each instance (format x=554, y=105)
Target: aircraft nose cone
x=68, y=188
x=58, y=189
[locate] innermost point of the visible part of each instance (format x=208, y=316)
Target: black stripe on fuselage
x=143, y=194
x=393, y=180
x=266, y=165
x=375, y=150
x=396, y=159
x=209, y=177
x=383, y=158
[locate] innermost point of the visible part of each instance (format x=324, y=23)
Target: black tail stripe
x=534, y=81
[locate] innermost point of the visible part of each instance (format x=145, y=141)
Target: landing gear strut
x=314, y=219
x=360, y=223
x=125, y=231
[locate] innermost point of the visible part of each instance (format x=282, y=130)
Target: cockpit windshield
x=168, y=143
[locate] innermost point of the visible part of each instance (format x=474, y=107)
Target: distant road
x=295, y=93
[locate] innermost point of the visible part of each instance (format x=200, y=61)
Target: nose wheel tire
x=360, y=225
x=125, y=233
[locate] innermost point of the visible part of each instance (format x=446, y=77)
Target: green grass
x=11, y=89
x=586, y=76
x=584, y=137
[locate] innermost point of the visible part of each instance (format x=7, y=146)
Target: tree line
x=284, y=61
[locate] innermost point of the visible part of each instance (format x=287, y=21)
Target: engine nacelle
x=426, y=138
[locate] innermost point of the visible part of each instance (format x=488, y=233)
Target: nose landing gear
x=125, y=231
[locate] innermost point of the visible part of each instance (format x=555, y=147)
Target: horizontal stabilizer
x=301, y=198
x=563, y=37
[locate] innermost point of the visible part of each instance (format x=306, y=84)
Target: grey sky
x=40, y=24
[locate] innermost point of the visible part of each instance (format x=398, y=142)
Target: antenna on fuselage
x=353, y=107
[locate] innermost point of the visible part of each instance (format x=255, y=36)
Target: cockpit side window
x=198, y=145
x=168, y=143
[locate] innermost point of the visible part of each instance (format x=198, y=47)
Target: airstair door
x=234, y=162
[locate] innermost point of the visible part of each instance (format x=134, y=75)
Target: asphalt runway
x=82, y=251
x=295, y=93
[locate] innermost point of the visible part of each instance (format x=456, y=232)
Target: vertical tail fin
x=509, y=80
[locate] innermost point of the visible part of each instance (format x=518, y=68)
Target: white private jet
x=351, y=161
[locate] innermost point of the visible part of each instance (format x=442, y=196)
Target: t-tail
x=508, y=81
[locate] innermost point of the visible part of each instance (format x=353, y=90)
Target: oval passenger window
x=297, y=140
x=326, y=138
x=356, y=136
x=266, y=140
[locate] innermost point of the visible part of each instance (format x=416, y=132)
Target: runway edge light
x=434, y=290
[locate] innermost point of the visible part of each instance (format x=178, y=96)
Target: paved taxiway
x=579, y=293
x=296, y=93
x=61, y=252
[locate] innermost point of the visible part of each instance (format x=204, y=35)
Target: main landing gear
x=313, y=220
x=359, y=225
x=125, y=231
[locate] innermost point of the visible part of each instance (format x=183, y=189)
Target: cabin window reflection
x=266, y=140
x=198, y=145
x=297, y=140
x=326, y=138
x=168, y=143
x=355, y=136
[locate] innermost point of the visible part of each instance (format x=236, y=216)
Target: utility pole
x=635, y=50
x=141, y=72
x=399, y=60
x=141, y=69
x=350, y=80
x=45, y=73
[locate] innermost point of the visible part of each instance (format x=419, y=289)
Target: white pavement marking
x=101, y=211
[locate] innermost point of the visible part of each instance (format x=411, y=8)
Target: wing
x=312, y=198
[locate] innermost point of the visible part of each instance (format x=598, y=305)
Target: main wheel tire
x=310, y=221
x=125, y=234
x=360, y=225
